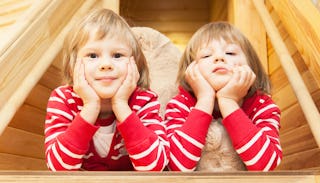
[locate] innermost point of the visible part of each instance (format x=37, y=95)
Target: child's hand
x=203, y=91
x=238, y=85
x=199, y=85
x=120, y=99
x=81, y=85
x=91, y=101
x=129, y=84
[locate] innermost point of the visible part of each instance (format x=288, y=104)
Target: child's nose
x=105, y=64
x=219, y=58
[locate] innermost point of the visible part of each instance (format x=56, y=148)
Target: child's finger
x=190, y=70
x=250, y=76
x=236, y=74
x=135, y=70
x=76, y=72
x=243, y=75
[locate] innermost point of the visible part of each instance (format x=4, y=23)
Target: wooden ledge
x=157, y=177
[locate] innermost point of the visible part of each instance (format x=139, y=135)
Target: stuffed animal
x=163, y=58
x=218, y=154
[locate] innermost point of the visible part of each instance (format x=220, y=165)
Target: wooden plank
x=285, y=97
x=243, y=16
x=168, y=15
x=171, y=26
x=20, y=75
x=38, y=97
x=301, y=160
x=9, y=19
x=138, y=5
x=14, y=162
x=297, y=140
x=113, y=5
x=217, y=10
x=179, y=37
x=279, y=79
x=57, y=62
x=274, y=62
x=8, y=2
x=299, y=18
x=301, y=91
x=22, y=143
x=293, y=122
x=157, y=177
x=292, y=118
x=30, y=119
x=15, y=7
x=52, y=78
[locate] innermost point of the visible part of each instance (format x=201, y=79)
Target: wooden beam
x=113, y=5
x=301, y=160
x=305, y=100
x=157, y=177
x=217, y=10
x=298, y=140
x=172, y=26
x=31, y=50
x=30, y=119
x=244, y=16
x=301, y=20
x=20, y=163
x=169, y=15
x=19, y=142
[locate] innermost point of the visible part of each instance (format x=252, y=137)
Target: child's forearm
x=121, y=111
x=227, y=106
x=90, y=112
x=205, y=105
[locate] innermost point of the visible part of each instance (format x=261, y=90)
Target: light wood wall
x=30, y=70
x=21, y=143
x=176, y=19
x=299, y=147
x=242, y=14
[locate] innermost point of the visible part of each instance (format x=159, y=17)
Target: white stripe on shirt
x=146, y=152
x=252, y=141
x=259, y=154
x=60, y=112
x=263, y=110
x=189, y=139
x=184, y=151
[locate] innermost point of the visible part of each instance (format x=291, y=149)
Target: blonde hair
x=108, y=24
x=224, y=30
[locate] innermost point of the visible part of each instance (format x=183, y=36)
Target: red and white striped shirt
x=138, y=143
x=253, y=130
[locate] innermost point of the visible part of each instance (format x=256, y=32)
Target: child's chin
x=106, y=95
x=218, y=86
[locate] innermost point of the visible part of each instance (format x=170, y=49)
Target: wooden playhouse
x=285, y=33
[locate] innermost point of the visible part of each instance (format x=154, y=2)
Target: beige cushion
x=162, y=57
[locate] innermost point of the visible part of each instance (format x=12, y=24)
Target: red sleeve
x=239, y=127
x=144, y=134
x=67, y=137
x=187, y=130
x=135, y=134
x=255, y=134
x=74, y=137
